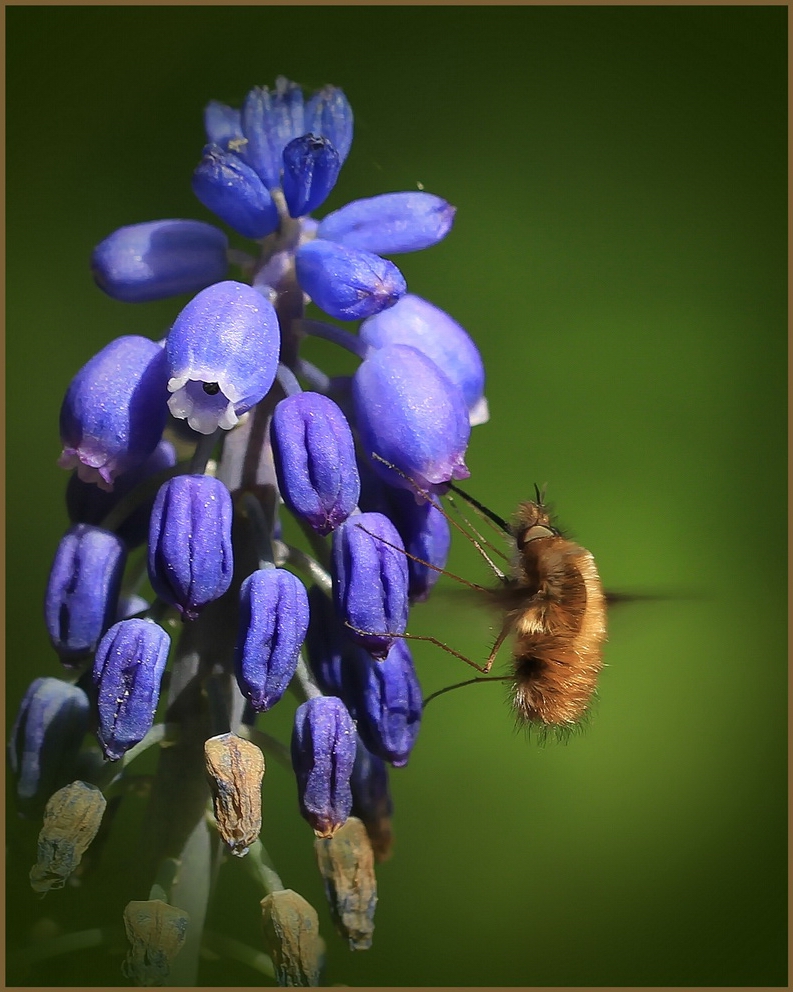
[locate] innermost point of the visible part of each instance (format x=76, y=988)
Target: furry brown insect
x=553, y=602
x=554, y=605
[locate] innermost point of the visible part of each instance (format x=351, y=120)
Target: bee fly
x=552, y=601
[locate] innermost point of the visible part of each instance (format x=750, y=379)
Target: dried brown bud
x=71, y=820
x=235, y=768
x=291, y=935
x=346, y=863
x=156, y=932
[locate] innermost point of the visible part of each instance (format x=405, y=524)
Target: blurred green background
x=619, y=254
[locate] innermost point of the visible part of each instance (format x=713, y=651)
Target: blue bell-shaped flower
x=128, y=669
x=190, y=557
x=222, y=355
x=273, y=624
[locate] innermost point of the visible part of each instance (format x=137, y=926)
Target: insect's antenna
x=428, y=497
x=435, y=568
x=459, y=685
x=497, y=520
x=467, y=522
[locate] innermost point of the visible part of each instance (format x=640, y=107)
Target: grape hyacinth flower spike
x=239, y=430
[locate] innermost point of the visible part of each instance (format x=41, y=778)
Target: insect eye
x=535, y=532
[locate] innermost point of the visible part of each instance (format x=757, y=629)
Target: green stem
x=238, y=951
x=260, y=866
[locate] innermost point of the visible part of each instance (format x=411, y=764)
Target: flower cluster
x=195, y=444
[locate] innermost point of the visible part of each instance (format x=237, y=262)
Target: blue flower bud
x=323, y=754
x=128, y=668
x=222, y=355
x=388, y=703
x=49, y=728
x=235, y=193
x=162, y=258
x=411, y=414
x=190, y=558
x=423, y=528
x=273, y=624
x=370, y=581
x=82, y=591
x=223, y=125
x=314, y=457
x=347, y=283
x=329, y=113
x=87, y=504
x=114, y=411
x=270, y=120
x=311, y=168
x=390, y=223
x=327, y=647
x=371, y=797
x=417, y=322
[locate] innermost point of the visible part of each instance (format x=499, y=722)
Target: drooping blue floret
x=415, y=321
x=83, y=588
x=158, y=259
x=222, y=354
x=388, y=704
x=127, y=672
x=235, y=193
x=348, y=283
x=328, y=648
x=88, y=504
x=370, y=581
x=314, y=455
x=114, y=411
x=323, y=754
x=412, y=415
x=49, y=728
x=190, y=558
x=390, y=223
x=311, y=168
x=274, y=614
x=423, y=528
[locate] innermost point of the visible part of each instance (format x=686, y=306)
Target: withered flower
x=71, y=820
x=346, y=863
x=235, y=768
x=291, y=935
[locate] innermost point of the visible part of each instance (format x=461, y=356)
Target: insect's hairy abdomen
x=557, y=610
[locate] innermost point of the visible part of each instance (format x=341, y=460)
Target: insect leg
x=420, y=637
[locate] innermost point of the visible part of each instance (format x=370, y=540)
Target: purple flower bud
x=426, y=535
x=329, y=113
x=370, y=581
x=390, y=223
x=82, y=591
x=190, y=558
x=410, y=414
x=235, y=193
x=323, y=753
x=49, y=728
x=87, y=504
x=371, y=799
x=417, y=322
x=114, y=411
x=327, y=647
x=222, y=124
x=273, y=624
x=128, y=668
x=314, y=457
x=348, y=283
x=158, y=259
x=311, y=168
x=270, y=120
x=222, y=355
x=388, y=704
